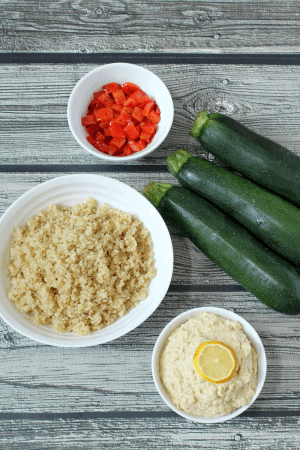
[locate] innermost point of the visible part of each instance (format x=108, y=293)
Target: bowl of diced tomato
x=120, y=112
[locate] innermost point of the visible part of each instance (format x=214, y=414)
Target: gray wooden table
x=237, y=57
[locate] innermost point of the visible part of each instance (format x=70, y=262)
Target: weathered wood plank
x=33, y=105
x=153, y=433
x=153, y=26
x=117, y=376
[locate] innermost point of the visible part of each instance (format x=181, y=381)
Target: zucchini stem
x=201, y=119
x=154, y=192
x=176, y=160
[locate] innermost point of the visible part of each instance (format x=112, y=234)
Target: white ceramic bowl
x=184, y=317
x=153, y=86
x=68, y=190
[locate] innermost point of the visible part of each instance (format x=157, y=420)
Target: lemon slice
x=215, y=362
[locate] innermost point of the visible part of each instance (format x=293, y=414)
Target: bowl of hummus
x=188, y=355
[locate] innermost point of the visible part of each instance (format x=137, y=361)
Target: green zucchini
x=265, y=274
x=257, y=158
x=273, y=220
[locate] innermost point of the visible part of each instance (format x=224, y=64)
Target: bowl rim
x=103, y=156
x=92, y=339
x=179, y=320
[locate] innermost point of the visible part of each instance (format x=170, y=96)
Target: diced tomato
x=91, y=140
x=99, y=136
x=128, y=88
x=153, y=117
x=145, y=100
x=130, y=102
x=116, y=131
x=131, y=131
x=88, y=120
x=94, y=104
x=119, y=97
x=148, y=127
x=121, y=120
x=97, y=94
x=137, y=95
x=107, y=132
x=92, y=129
x=103, y=125
x=118, y=142
x=116, y=107
x=104, y=114
x=127, y=110
x=105, y=99
x=111, y=87
x=102, y=147
x=138, y=114
x=146, y=137
x=134, y=146
x=148, y=108
x=142, y=144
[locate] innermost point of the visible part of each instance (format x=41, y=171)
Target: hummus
x=188, y=391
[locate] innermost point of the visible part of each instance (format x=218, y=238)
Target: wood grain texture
x=33, y=106
x=151, y=26
x=142, y=433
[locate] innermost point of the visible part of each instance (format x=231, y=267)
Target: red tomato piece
x=91, y=140
x=88, y=120
x=153, y=117
x=138, y=114
x=105, y=99
x=99, y=136
x=107, y=132
x=131, y=131
x=144, y=101
x=130, y=102
x=148, y=108
x=157, y=110
x=92, y=129
x=142, y=144
x=148, y=127
x=116, y=107
x=102, y=147
x=138, y=95
x=104, y=114
x=119, y=97
x=111, y=87
x=128, y=88
x=97, y=94
x=117, y=142
x=134, y=146
x=146, y=137
x=116, y=131
x=94, y=104
x=103, y=125
x=127, y=110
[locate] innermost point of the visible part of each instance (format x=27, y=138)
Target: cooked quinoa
x=80, y=268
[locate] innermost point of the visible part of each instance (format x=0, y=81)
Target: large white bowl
x=68, y=190
x=119, y=73
x=184, y=317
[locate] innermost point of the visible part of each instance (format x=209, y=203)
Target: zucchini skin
x=273, y=220
x=272, y=279
x=257, y=158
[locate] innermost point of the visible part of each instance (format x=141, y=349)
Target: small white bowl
x=153, y=86
x=68, y=190
x=184, y=317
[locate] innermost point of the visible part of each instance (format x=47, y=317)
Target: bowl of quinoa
x=86, y=260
